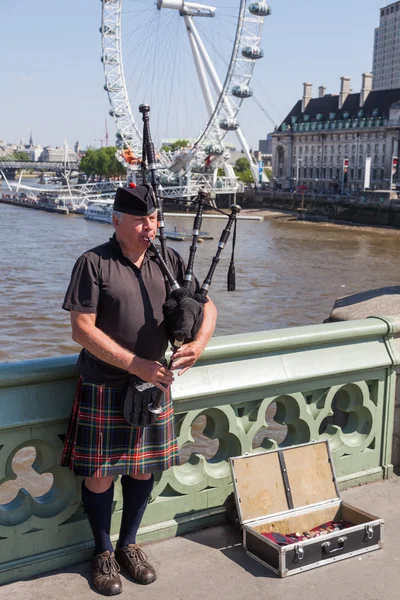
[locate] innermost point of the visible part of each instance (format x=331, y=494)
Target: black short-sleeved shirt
x=127, y=302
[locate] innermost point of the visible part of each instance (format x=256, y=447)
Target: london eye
x=193, y=64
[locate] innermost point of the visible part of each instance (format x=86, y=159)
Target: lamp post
x=298, y=171
x=345, y=169
x=394, y=163
x=316, y=186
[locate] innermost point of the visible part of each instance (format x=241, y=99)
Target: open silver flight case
x=292, y=491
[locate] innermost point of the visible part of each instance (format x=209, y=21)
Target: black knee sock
x=136, y=494
x=98, y=508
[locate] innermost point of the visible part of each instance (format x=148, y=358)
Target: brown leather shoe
x=135, y=561
x=105, y=573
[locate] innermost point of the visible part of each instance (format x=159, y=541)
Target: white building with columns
x=337, y=143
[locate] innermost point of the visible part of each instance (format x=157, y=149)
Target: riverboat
x=80, y=210
x=99, y=210
x=75, y=203
x=51, y=203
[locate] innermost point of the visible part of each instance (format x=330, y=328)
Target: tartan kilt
x=100, y=442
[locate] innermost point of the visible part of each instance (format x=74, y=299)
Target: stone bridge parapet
x=247, y=393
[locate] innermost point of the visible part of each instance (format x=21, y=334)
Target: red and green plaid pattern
x=100, y=442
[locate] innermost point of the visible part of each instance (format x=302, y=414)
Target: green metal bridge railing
x=332, y=381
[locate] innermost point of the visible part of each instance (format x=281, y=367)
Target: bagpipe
x=183, y=310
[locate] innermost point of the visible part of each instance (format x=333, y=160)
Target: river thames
x=287, y=273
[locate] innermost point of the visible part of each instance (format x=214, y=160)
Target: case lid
x=284, y=479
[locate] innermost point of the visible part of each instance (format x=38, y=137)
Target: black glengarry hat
x=135, y=200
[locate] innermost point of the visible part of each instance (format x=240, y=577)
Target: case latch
x=298, y=552
x=369, y=532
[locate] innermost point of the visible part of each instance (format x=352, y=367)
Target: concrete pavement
x=211, y=564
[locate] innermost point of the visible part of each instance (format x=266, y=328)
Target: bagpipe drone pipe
x=183, y=311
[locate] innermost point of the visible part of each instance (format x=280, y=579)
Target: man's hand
x=184, y=357
x=153, y=372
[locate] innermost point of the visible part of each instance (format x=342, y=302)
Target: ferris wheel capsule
x=109, y=60
x=114, y=87
x=229, y=124
x=259, y=9
x=106, y=30
x=116, y=113
x=242, y=91
x=252, y=52
x=214, y=149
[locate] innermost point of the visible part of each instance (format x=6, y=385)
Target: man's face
x=132, y=232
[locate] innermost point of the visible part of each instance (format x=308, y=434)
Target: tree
x=242, y=169
x=175, y=145
x=268, y=172
x=241, y=165
x=22, y=156
x=101, y=162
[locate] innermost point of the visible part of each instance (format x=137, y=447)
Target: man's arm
x=85, y=333
x=187, y=355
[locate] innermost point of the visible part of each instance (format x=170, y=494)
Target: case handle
x=327, y=545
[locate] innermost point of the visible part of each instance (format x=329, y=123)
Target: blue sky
x=52, y=77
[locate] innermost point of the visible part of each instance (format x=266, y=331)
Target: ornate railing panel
x=248, y=393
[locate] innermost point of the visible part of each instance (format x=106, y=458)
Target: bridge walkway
x=211, y=564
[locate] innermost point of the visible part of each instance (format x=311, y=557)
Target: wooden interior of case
x=300, y=523
x=310, y=474
x=260, y=485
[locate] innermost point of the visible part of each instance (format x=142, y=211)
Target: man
x=115, y=300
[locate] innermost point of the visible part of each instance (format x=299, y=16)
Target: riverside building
x=57, y=155
x=339, y=143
